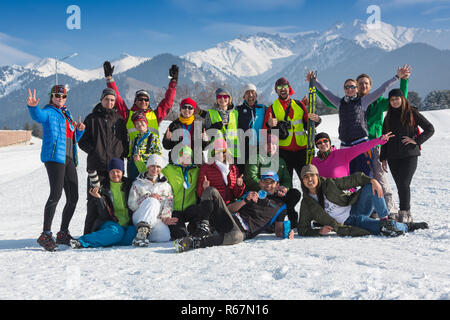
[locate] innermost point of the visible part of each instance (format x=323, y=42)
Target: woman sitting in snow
x=113, y=224
x=328, y=202
x=151, y=199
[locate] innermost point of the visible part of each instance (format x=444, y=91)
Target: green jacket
x=375, y=111
x=182, y=198
x=336, y=192
x=253, y=173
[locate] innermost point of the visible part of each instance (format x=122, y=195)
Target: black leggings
x=295, y=160
x=61, y=176
x=402, y=171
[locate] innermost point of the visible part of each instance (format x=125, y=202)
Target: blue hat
x=116, y=163
x=270, y=175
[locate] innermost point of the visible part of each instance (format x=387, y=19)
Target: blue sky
x=37, y=29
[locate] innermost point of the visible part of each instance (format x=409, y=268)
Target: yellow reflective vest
x=296, y=121
x=133, y=132
x=230, y=133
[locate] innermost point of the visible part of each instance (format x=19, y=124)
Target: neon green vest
x=230, y=132
x=297, y=127
x=133, y=132
x=182, y=198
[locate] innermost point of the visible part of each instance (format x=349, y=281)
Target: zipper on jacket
x=53, y=152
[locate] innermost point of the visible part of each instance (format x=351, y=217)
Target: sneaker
x=47, y=242
x=75, y=244
x=388, y=228
x=203, y=229
x=186, y=244
x=412, y=226
x=141, y=237
x=63, y=237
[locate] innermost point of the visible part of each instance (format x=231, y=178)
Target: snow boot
x=186, y=244
x=388, y=228
x=63, y=237
x=47, y=242
x=75, y=244
x=404, y=216
x=412, y=226
x=143, y=231
x=203, y=229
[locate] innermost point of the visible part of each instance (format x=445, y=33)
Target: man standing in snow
x=105, y=138
x=291, y=118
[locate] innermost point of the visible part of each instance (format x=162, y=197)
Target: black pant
x=295, y=160
x=61, y=176
x=402, y=171
x=91, y=215
x=179, y=229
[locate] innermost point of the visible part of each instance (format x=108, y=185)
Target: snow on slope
x=409, y=267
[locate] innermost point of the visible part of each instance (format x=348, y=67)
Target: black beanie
x=396, y=93
x=322, y=135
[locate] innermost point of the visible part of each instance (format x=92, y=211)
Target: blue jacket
x=54, y=133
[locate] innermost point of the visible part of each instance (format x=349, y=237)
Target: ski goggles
x=59, y=95
x=187, y=107
x=286, y=86
x=321, y=141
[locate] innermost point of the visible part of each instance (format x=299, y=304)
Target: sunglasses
x=57, y=95
x=187, y=107
x=224, y=151
x=350, y=87
x=223, y=96
x=322, y=141
x=286, y=86
x=144, y=99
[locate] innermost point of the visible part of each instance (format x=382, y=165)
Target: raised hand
x=80, y=125
x=310, y=75
x=205, y=183
x=272, y=122
x=32, y=101
x=240, y=180
x=108, y=69
x=173, y=72
x=404, y=72
x=387, y=136
x=305, y=100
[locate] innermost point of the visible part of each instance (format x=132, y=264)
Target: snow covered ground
x=414, y=266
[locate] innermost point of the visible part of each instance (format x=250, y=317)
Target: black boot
x=388, y=228
x=187, y=243
x=412, y=226
x=203, y=229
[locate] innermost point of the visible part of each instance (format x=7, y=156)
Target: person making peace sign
x=59, y=154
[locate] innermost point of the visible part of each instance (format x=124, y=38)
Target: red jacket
x=228, y=192
x=293, y=146
x=161, y=111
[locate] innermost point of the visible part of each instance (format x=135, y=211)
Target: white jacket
x=143, y=187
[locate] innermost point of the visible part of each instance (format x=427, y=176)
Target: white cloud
x=10, y=55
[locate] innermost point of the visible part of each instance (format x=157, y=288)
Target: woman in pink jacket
x=334, y=163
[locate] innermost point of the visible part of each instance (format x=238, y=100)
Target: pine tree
x=415, y=100
x=36, y=130
x=436, y=100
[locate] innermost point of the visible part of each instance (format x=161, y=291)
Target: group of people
x=229, y=173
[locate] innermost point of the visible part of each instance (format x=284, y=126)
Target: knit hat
x=188, y=101
x=396, y=93
x=142, y=92
x=282, y=82
x=270, y=175
x=308, y=169
x=220, y=144
x=138, y=116
x=108, y=92
x=321, y=135
x=116, y=163
x=249, y=86
x=61, y=89
x=155, y=160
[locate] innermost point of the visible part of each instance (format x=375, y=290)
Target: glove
x=217, y=125
x=109, y=70
x=173, y=72
x=174, y=126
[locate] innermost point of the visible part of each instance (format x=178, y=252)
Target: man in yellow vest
x=142, y=102
x=295, y=115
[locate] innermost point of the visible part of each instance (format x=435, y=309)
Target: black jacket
x=105, y=205
x=104, y=138
x=394, y=148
